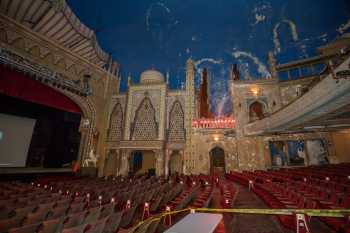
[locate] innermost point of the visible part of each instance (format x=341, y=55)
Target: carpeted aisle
x=225, y=225
x=253, y=223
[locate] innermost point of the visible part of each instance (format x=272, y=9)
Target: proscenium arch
x=84, y=103
x=88, y=112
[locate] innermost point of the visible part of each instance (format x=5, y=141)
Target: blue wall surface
x=144, y=34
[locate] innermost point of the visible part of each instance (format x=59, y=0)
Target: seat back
x=36, y=217
x=76, y=207
x=77, y=229
x=98, y=226
x=74, y=220
x=93, y=215
x=113, y=222
x=107, y=210
x=153, y=226
x=9, y=223
x=22, y=212
x=128, y=216
x=156, y=203
x=52, y=226
x=31, y=228
x=57, y=212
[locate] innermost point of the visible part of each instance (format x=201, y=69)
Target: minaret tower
x=189, y=115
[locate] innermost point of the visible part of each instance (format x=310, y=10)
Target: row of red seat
x=300, y=188
x=71, y=203
x=26, y=207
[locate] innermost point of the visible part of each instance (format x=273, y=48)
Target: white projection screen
x=15, y=136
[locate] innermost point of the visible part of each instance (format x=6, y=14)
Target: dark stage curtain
x=16, y=84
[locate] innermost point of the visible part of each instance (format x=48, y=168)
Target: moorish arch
x=257, y=110
x=176, y=123
x=145, y=126
x=175, y=162
x=87, y=125
x=217, y=160
x=115, y=124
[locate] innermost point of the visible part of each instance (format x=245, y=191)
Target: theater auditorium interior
x=174, y=116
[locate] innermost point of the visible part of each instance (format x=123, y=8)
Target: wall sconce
x=255, y=91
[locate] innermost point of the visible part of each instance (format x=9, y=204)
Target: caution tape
x=335, y=213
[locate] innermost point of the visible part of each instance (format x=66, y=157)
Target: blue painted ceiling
x=163, y=34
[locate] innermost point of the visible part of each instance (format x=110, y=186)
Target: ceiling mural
x=163, y=34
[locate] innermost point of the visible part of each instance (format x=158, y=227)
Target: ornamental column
x=166, y=164
x=124, y=165
x=189, y=113
x=159, y=155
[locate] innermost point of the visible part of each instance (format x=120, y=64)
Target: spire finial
x=167, y=77
x=129, y=79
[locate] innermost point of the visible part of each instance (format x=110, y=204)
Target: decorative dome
x=151, y=76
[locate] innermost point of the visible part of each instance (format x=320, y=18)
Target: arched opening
x=176, y=123
x=175, y=163
x=257, y=111
x=142, y=162
x=217, y=160
x=145, y=126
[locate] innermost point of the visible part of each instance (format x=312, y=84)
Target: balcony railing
x=43, y=74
